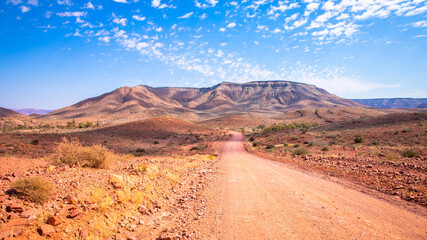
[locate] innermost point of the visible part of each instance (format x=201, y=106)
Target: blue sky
x=55, y=53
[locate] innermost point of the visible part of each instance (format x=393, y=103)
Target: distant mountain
x=225, y=98
x=4, y=112
x=392, y=102
x=30, y=111
x=422, y=105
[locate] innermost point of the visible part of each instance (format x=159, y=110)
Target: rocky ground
x=377, y=161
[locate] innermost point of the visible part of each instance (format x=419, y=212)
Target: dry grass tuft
x=74, y=153
x=35, y=188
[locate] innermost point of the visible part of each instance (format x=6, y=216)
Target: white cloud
x=14, y=2
x=105, y=39
x=422, y=23
x=24, y=9
x=222, y=29
x=333, y=79
x=203, y=16
x=187, y=15
x=121, y=1
x=231, y=25
x=206, y=4
x=138, y=18
x=121, y=21
x=33, y=2
x=159, y=5
x=159, y=29
x=89, y=5
x=71, y=14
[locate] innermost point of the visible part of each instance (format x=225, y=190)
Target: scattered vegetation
x=282, y=127
x=35, y=189
x=301, y=151
x=269, y=146
x=358, y=139
x=410, y=153
x=74, y=153
x=325, y=148
x=35, y=142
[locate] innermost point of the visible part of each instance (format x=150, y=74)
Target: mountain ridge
x=392, y=102
x=221, y=99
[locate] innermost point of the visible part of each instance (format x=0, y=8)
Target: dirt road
x=254, y=198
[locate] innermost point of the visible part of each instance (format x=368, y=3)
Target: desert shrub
x=296, y=146
x=156, y=142
x=254, y=144
x=74, y=153
x=139, y=152
x=195, y=148
x=300, y=151
x=35, y=142
x=251, y=139
x=34, y=188
x=294, y=138
x=269, y=146
x=331, y=135
x=375, y=143
x=358, y=139
x=285, y=144
x=410, y=153
x=325, y=148
x=141, y=168
x=305, y=142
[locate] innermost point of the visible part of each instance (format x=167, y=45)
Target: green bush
x=156, y=142
x=300, y=151
x=325, y=148
x=285, y=144
x=34, y=188
x=35, y=142
x=296, y=146
x=254, y=144
x=410, y=153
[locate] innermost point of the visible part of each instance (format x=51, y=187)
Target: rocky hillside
x=4, y=112
x=222, y=99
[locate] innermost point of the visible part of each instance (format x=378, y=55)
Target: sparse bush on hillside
x=251, y=139
x=410, y=153
x=269, y=146
x=139, y=152
x=282, y=127
x=325, y=148
x=358, y=139
x=34, y=188
x=300, y=151
x=156, y=142
x=35, y=142
x=74, y=153
x=254, y=144
x=296, y=146
x=285, y=144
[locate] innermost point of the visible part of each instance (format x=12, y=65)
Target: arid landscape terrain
x=261, y=160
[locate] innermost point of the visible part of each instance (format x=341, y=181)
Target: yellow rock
x=116, y=181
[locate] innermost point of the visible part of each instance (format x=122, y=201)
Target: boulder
x=46, y=230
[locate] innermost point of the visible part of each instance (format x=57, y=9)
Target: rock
x=116, y=181
x=71, y=200
x=51, y=168
x=144, y=210
x=46, y=230
x=17, y=173
x=84, y=234
x=75, y=213
x=30, y=214
x=14, y=207
x=54, y=220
